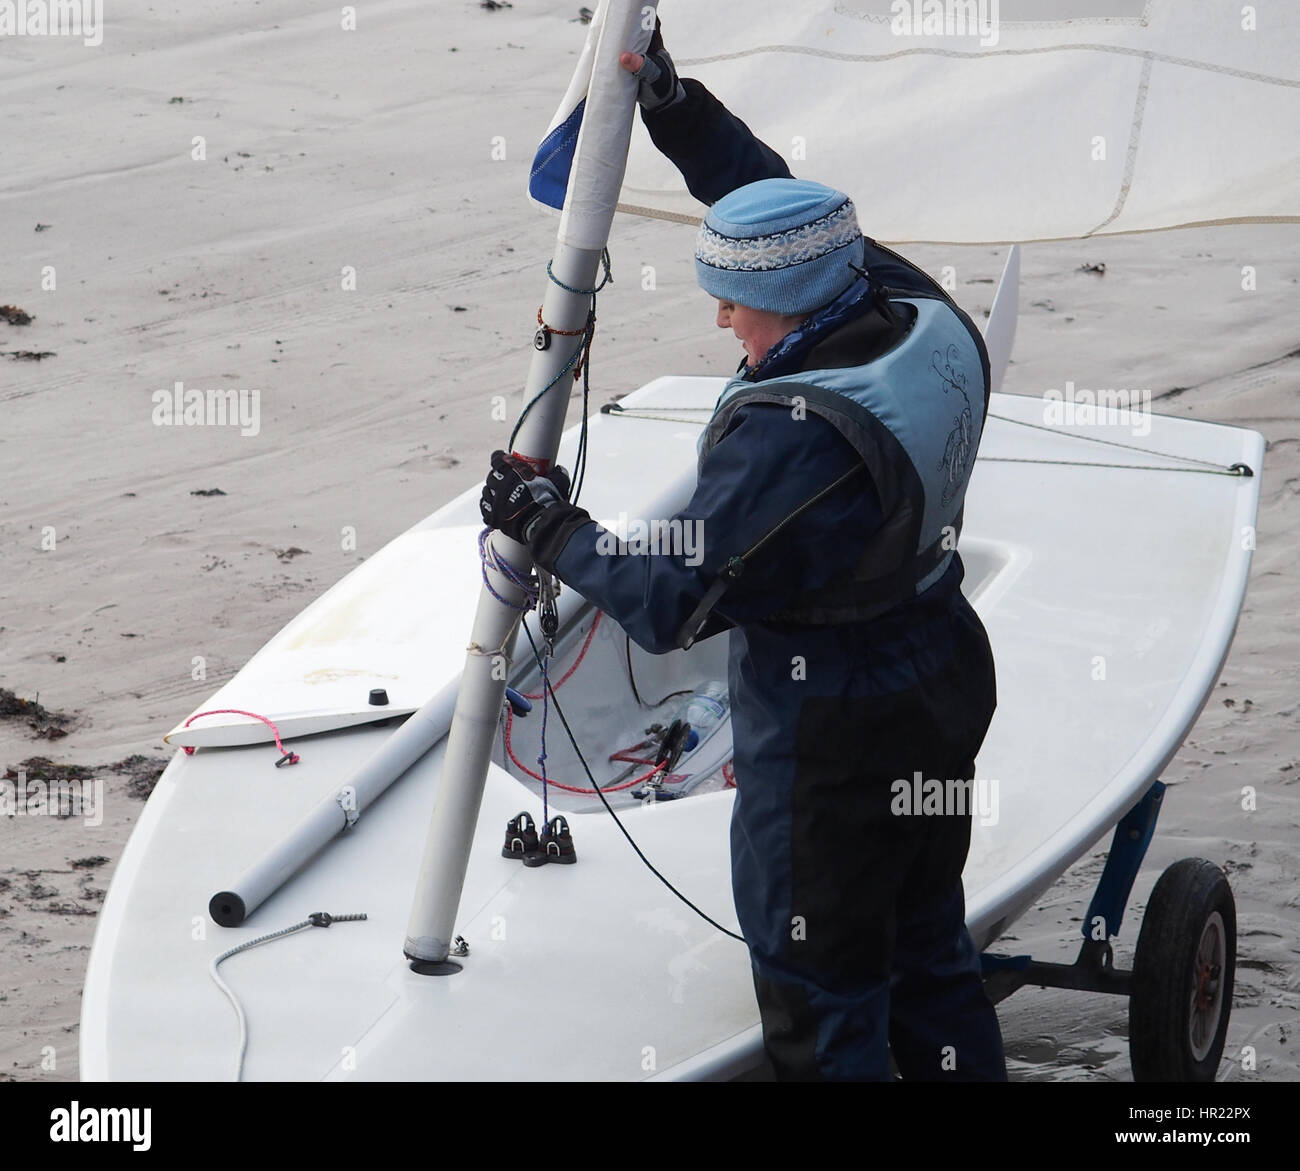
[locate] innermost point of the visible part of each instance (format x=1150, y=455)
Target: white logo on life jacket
x=961, y=439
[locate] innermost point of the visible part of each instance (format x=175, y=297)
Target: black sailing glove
x=658, y=86
x=515, y=496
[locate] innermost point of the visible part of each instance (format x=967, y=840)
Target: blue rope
x=528, y=586
x=541, y=756
x=569, y=365
x=584, y=345
x=609, y=276
x=531, y=586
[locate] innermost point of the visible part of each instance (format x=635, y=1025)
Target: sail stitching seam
x=1130, y=159
x=1126, y=21
x=1120, y=50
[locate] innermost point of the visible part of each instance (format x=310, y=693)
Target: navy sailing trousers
x=849, y=896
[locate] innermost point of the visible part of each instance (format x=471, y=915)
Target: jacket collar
x=854, y=328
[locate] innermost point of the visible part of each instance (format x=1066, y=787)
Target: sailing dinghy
x=413, y=758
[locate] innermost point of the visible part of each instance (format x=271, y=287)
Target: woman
x=855, y=661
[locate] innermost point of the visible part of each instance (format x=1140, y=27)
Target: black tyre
x=1183, y=975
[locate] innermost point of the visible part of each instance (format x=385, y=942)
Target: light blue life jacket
x=915, y=414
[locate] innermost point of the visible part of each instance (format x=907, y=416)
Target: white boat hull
x=1110, y=597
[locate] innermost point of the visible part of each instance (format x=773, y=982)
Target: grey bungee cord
x=315, y=919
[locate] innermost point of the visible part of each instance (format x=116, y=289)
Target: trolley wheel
x=1182, y=975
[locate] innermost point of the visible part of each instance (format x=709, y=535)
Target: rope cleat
x=675, y=742
x=554, y=845
x=653, y=790
x=521, y=839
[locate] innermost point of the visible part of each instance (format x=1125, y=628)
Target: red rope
x=729, y=775
x=581, y=655
x=287, y=757
x=510, y=719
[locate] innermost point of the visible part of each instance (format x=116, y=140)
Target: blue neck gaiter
x=788, y=355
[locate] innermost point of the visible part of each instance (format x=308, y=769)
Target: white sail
x=977, y=121
x=588, y=201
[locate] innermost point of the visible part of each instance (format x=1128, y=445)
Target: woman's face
x=758, y=330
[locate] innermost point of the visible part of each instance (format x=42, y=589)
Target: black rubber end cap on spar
x=227, y=909
x=378, y=697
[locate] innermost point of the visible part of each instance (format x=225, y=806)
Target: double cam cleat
x=525, y=844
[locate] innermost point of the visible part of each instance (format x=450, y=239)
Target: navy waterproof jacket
x=764, y=467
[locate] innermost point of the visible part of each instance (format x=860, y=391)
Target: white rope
x=1204, y=465
x=1191, y=459
x=317, y=919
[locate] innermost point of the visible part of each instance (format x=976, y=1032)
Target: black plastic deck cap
x=227, y=909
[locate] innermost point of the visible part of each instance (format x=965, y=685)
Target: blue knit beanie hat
x=783, y=245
